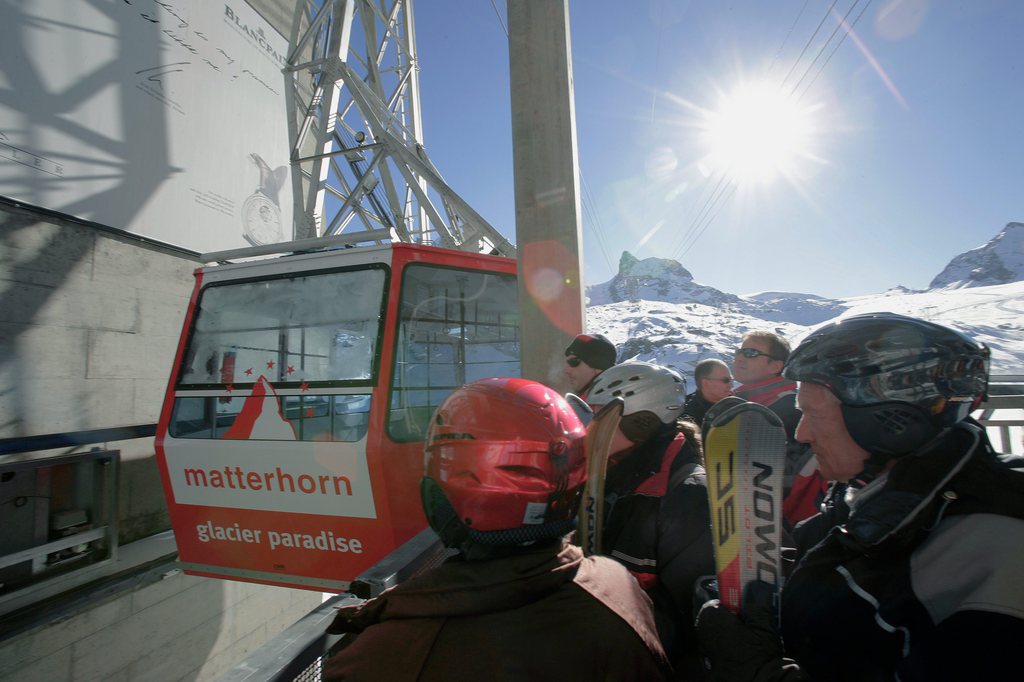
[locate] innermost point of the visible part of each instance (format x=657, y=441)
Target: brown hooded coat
x=547, y=614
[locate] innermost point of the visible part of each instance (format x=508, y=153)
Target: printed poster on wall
x=163, y=118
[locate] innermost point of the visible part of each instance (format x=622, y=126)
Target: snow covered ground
x=681, y=334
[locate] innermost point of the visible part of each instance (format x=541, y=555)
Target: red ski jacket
x=803, y=484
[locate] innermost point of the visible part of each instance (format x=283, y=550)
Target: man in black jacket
x=713, y=382
x=914, y=570
x=657, y=522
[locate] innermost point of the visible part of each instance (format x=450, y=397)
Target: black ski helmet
x=900, y=379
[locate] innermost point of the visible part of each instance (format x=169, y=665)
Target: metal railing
x=299, y=652
x=1005, y=394
x=12, y=446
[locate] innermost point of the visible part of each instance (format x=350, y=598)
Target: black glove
x=747, y=648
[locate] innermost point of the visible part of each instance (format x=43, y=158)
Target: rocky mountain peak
x=630, y=266
x=1000, y=261
x=654, y=279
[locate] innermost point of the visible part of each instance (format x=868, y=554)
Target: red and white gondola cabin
x=290, y=440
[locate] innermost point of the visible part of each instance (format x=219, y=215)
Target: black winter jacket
x=696, y=407
x=658, y=525
x=921, y=577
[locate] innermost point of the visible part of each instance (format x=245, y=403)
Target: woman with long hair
x=656, y=519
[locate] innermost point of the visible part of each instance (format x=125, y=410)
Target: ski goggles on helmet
x=871, y=359
x=639, y=426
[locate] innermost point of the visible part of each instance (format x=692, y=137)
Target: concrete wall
x=179, y=628
x=89, y=325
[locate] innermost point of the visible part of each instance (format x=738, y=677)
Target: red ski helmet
x=505, y=464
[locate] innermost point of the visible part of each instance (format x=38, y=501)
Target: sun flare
x=758, y=132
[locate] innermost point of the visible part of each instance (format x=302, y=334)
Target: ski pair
x=745, y=455
x=600, y=431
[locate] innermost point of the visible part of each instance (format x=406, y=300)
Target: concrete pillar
x=546, y=185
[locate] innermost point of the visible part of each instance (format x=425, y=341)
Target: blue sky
x=912, y=149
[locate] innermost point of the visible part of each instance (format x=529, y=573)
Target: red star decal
x=249, y=371
x=291, y=369
x=304, y=386
x=229, y=388
x=309, y=412
x=270, y=364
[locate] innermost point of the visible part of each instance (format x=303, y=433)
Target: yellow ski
x=599, y=437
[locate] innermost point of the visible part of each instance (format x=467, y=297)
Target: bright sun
x=758, y=133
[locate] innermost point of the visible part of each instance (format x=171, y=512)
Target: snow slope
x=653, y=310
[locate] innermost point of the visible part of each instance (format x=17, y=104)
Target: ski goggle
x=639, y=426
x=752, y=353
x=584, y=412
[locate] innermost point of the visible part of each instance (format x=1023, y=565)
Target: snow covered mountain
x=662, y=279
x=655, y=279
x=653, y=309
x=1000, y=261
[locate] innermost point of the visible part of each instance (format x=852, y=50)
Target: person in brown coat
x=504, y=475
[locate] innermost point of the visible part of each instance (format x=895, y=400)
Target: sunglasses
x=573, y=361
x=753, y=353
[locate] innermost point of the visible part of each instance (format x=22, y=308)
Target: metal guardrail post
x=298, y=652
x=1005, y=393
x=420, y=552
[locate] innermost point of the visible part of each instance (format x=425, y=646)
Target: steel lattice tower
x=359, y=165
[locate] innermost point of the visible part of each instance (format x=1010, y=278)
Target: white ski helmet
x=653, y=395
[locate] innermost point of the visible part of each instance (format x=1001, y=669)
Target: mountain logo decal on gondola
x=261, y=417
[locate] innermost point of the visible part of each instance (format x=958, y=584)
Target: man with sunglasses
x=586, y=357
x=758, y=367
x=713, y=383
